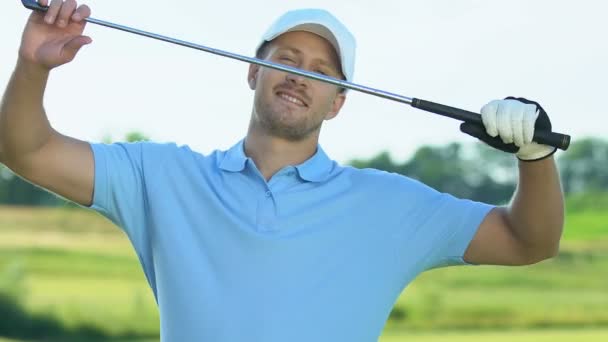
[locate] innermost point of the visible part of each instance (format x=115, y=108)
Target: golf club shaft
x=558, y=140
x=261, y=62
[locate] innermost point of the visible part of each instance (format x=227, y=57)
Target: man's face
x=291, y=106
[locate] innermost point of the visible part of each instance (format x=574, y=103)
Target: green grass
x=586, y=225
x=566, y=291
x=81, y=269
x=555, y=335
x=78, y=267
x=586, y=217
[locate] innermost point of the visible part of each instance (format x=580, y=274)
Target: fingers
x=61, y=12
x=488, y=116
x=71, y=48
x=511, y=120
x=66, y=11
x=53, y=11
x=529, y=122
x=517, y=120
x=82, y=12
x=505, y=123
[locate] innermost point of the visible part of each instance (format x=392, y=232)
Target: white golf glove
x=509, y=126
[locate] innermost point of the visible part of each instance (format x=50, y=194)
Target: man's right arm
x=28, y=144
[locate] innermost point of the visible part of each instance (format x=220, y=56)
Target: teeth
x=291, y=99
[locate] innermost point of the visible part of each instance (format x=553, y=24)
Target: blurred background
x=68, y=274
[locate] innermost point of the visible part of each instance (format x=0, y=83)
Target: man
x=271, y=240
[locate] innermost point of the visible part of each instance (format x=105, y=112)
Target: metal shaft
x=559, y=140
x=252, y=60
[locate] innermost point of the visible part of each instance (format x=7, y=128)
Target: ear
x=252, y=75
x=336, y=106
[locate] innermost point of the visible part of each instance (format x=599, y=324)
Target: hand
x=54, y=38
x=509, y=126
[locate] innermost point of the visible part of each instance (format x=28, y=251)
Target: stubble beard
x=280, y=122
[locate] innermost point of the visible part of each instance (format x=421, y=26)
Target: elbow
x=550, y=253
x=543, y=245
x=543, y=253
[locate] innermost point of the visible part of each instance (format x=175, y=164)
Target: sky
x=462, y=53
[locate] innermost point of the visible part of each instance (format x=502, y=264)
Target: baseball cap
x=322, y=23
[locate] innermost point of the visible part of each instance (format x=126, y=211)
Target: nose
x=296, y=80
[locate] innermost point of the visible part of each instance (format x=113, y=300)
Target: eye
x=286, y=59
x=321, y=72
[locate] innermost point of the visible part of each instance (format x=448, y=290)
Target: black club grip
x=561, y=141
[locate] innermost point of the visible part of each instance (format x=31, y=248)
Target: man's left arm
x=529, y=229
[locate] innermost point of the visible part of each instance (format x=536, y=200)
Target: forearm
x=536, y=214
x=24, y=127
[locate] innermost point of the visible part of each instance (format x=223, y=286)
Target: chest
x=261, y=250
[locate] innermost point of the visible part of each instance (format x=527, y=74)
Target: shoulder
x=171, y=151
x=383, y=179
x=140, y=148
x=386, y=186
x=151, y=154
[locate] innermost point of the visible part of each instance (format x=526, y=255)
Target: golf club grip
x=34, y=5
x=561, y=141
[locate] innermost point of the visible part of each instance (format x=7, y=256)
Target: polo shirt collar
x=235, y=158
x=316, y=169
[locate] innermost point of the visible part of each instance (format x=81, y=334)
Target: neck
x=271, y=153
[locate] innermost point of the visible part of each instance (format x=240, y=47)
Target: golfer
x=272, y=240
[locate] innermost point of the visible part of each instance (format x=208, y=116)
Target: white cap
x=322, y=23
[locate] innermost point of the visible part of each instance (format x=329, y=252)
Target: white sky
x=462, y=53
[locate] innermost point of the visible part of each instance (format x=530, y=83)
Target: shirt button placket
x=266, y=212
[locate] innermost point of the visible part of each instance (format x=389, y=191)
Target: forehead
x=309, y=44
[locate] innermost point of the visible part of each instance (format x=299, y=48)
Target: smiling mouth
x=291, y=99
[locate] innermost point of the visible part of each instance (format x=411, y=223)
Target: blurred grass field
x=76, y=266
x=495, y=336
x=555, y=335
x=552, y=335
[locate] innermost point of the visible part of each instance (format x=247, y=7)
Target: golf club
x=554, y=139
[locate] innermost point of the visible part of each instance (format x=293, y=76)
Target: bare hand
x=54, y=38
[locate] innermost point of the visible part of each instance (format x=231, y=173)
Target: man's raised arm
x=28, y=144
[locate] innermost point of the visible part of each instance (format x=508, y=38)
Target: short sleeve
x=435, y=227
x=133, y=182
x=453, y=223
x=119, y=192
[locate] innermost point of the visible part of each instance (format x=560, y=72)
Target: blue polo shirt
x=320, y=252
